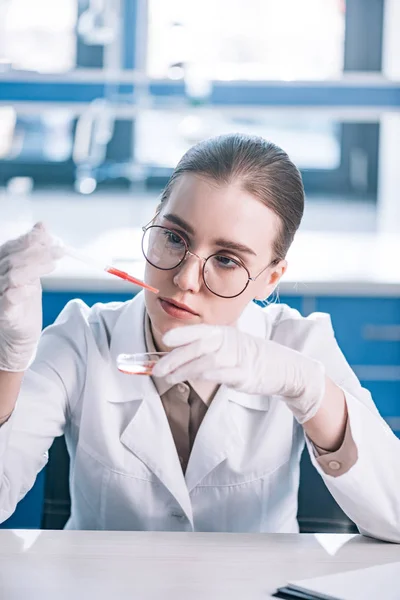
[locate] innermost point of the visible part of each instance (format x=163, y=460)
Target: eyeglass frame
x=145, y=228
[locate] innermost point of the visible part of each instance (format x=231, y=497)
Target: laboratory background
x=99, y=99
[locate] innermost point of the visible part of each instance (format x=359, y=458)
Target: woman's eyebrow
x=180, y=222
x=228, y=244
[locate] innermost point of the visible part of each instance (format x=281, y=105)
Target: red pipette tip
x=127, y=277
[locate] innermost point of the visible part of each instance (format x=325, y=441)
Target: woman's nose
x=188, y=276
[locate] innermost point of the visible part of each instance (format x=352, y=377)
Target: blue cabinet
x=368, y=332
x=28, y=514
x=367, y=329
x=54, y=302
x=386, y=395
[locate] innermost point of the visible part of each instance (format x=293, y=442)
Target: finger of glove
x=194, y=369
x=185, y=335
x=23, y=275
x=36, y=234
x=36, y=239
x=185, y=354
x=34, y=254
x=27, y=258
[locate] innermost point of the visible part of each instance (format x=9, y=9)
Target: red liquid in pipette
x=127, y=277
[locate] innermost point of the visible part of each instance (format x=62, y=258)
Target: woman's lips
x=176, y=311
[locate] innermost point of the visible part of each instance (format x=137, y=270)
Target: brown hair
x=263, y=169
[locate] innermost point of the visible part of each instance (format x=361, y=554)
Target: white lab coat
x=243, y=471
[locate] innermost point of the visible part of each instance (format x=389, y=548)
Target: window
x=38, y=36
x=247, y=39
x=213, y=66
x=311, y=144
x=255, y=41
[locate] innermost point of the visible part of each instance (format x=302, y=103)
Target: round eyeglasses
x=223, y=275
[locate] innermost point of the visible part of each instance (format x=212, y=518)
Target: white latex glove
x=246, y=363
x=22, y=262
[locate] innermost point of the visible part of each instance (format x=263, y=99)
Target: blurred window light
x=39, y=35
x=312, y=143
x=8, y=119
x=248, y=39
x=45, y=137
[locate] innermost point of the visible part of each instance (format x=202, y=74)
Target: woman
x=212, y=441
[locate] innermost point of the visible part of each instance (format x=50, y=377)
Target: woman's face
x=212, y=218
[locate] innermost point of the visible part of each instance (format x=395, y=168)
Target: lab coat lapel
x=218, y=436
x=147, y=434
x=215, y=440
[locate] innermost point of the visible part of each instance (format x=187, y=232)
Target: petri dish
x=138, y=364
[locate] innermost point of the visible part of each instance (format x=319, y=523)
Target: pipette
x=108, y=268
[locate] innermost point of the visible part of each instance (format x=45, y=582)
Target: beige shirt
x=186, y=404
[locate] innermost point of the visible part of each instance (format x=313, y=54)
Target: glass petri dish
x=138, y=364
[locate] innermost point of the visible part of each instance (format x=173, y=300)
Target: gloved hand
x=245, y=363
x=22, y=262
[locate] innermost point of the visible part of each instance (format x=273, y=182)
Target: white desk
x=75, y=565
x=324, y=260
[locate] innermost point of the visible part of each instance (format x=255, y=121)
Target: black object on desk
x=286, y=593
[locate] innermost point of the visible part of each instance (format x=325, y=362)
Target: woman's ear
x=271, y=280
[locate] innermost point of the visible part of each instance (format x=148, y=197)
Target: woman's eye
x=225, y=262
x=174, y=239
